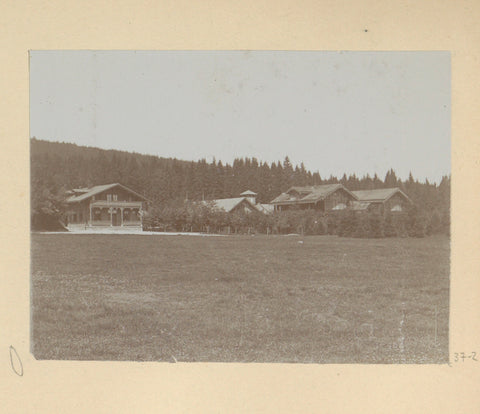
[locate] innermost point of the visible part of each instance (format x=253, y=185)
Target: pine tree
x=287, y=174
x=377, y=183
x=391, y=180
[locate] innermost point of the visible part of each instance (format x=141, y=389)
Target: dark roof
x=309, y=194
x=380, y=194
x=81, y=194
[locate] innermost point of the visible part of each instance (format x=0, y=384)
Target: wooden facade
x=335, y=197
x=328, y=197
x=382, y=201
x=105, y=206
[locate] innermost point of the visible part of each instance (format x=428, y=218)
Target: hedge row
x=204, y=218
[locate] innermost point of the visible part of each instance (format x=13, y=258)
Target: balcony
x=117, y=204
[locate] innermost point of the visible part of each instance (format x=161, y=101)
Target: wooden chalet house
x=382, y=200
x=335, y=197
x=327, y=197
x=105, y=206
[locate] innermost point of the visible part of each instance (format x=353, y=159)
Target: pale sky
x=352, y=112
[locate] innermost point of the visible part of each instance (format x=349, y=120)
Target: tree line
x=174, y=185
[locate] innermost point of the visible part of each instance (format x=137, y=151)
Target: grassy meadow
x=240, y=298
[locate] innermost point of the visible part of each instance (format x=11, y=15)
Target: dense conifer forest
x=57, y=167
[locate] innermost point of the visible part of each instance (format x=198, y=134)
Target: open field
x=240, y=298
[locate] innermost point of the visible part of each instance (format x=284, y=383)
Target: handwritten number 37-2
x=462, y=356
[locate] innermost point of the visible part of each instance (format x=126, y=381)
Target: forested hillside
x=58, y=167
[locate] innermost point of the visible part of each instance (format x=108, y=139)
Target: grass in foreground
x=240, y=299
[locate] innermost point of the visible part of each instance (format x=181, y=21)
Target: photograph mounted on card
x=240, y=206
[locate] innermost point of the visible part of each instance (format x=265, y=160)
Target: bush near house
x=374, y=225
x=198, y=217
x=47, y=211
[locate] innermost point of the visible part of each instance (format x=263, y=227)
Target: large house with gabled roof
x=326, y=197
x=335, y=197
x=382, y=200
x=105, y=206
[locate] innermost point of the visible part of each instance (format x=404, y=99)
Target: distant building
x=246, y=203
x=230, y=205
x=105, y=206
x=382, y=200
x=327, y=197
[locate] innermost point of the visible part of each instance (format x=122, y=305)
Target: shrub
x=390, y=229
x=418, y=228
x=348, y=222
x=375, y=226
x=434, y=225
x=318, y=225
x=362, y=226
x=332, y=224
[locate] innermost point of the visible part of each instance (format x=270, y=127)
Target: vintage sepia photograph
x=240, y=206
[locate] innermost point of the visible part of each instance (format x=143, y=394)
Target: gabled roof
x=380, y=194
x=309, y=194
x=81, y=194
x=228, y=204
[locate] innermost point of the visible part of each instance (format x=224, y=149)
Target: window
x=115, y=197
x=109, y=197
